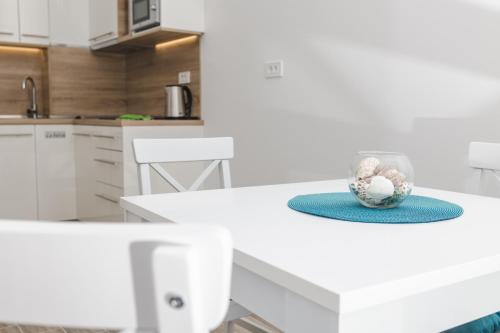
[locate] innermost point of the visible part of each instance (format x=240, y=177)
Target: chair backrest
x=484, y=155
x=164, y=278
x=149, y=153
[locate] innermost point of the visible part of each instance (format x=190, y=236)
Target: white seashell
x=380, y=188
x=367, y=167
x=396, y=177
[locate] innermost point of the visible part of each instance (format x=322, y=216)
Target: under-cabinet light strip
x=19, y=49
x=177, y=42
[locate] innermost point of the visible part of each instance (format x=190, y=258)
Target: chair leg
x=229, y=326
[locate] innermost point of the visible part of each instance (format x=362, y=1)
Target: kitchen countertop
x=100, y=122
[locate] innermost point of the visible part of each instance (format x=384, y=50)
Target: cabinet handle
x=6, y=33
x=35, y=35
x=110, y=149
x=81, y=134
x=115, y=201
x=104, y=136
x=106, y=161
x=15, y=135
x=101, y=36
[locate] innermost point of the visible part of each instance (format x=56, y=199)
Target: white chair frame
x=159, y=278
x=149, y=153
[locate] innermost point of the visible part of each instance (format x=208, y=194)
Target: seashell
x=367, y=167
x=396, y=177
x=403, y=189
x=360, y=187
x=380, y=188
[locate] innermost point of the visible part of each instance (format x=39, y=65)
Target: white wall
x=417, y=76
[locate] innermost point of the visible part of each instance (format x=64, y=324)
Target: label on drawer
x=55, y=134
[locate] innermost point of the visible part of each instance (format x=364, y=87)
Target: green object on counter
x=134, y=117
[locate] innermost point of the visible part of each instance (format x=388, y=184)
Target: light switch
x=185, y=77
x=274, y=69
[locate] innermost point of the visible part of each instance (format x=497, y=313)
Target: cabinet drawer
x=108, y=171
x=110, y=139
x=109, y=195
x=108, y=154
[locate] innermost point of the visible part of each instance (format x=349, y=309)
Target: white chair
x=485, y=158
x=160, y=278
x=149, y=153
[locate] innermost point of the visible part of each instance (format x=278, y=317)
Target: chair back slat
x=149, y=153
x=183, y=150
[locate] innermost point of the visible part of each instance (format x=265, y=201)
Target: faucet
x=32, y=111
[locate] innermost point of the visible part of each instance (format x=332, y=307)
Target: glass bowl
x=381, y=179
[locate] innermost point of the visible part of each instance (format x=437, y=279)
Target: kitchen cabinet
x=34, y=21
x=9, y=21
x=106, y=168
x=99, y=171
x=18, y=188
x=69, y=22
x=55, y=172
x=183, y=15
x=84, y=173
x=103, y=21
x=65, y=172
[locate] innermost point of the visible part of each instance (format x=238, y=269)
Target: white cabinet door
x=55, y=172
x=9, y=21
x=103, y=20
x=18, y=196
x=186, y=15
x=69, y=22
x=34, y=21
x=85, y=179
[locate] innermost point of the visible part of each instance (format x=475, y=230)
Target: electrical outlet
x=274, y=69
x=184, y=77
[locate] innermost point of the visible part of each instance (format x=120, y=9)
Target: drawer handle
x=100, y=160
x=115, y=201
x=35, y=35
x=110, y=185
x=110, y=149
x=6, y=33
x=15, y=135
x=104, y=136
x=81, y=134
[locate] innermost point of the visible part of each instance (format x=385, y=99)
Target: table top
x=343, y=266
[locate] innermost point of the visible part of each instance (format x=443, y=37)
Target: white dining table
x=309, y=274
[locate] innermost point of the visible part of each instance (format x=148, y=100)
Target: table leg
x=282, y=308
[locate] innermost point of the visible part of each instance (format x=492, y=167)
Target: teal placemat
x=343, y=206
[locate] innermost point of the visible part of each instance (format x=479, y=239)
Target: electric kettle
x=178, y=101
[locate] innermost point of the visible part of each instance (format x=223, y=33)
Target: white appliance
x=144, y=14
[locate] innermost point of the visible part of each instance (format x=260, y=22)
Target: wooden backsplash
x=76, y=81
x=86, y=83
x=15, y=65
x=149, y=71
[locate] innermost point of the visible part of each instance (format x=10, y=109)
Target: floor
x=260, y=325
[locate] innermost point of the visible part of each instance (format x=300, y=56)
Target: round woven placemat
x=343, y=206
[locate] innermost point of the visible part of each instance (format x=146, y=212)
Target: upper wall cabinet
x=103, y=20
x=9, y=21
x=69, y=22
x=183, y=15
x=34, y=21
x=177, y=19
x=24, y=21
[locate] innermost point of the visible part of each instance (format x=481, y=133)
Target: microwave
x=144, y=14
